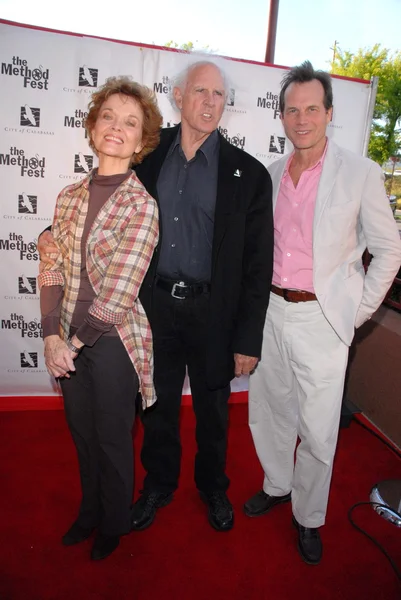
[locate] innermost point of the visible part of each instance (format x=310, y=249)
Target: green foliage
x=385, y=140
x=190, y=47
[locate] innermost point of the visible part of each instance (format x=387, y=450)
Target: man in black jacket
x=206, y=291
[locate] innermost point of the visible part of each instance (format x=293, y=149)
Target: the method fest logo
x=236, y=140
x=31, y=167
x=76, y=120
x=27, y=329
x=36, y=78
x=163, y=86
x=270, y=101
x=15, y=241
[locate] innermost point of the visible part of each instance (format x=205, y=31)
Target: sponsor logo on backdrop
x=76, y=120
x=277, y=144
x=27, y=207
x=27, y=363
x=29, y=120
x=230, y=103
x=29, y=167
x=15, y=243
x=236, y=139
x=231, y=97
x=26, y=288
x=26, y=329
x=271, y=102
x=29, y=360
x=276, y=147
x=83, y=163
x=32, y=77
x=163, y=86
x=88, y=77
x=26, y=285
x=27, y=204
x=30, y=116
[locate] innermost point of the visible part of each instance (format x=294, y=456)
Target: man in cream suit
x=329, y=206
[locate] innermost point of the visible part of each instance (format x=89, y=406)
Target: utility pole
x=394, y=160
x=334, y=48
x=271, y=32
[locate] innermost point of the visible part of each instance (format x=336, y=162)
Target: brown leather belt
x=293, y=295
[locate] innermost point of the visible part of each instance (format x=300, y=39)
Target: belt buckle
x=180, y=284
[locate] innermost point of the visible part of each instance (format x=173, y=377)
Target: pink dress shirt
x=293, y=228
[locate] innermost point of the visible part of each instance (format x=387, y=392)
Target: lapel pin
x=237, y=173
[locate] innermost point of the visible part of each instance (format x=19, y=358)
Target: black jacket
x=242, y=255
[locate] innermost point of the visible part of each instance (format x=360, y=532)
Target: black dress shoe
x=145, y=509
x=309, y=543
x=104, y=545
x=76, y=534
x=261, y=503
x=221, y=514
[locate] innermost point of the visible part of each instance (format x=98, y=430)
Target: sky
x=307, y=29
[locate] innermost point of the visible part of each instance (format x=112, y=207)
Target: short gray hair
x=180, y=80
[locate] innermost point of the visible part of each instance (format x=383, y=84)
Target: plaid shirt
x=120, y=246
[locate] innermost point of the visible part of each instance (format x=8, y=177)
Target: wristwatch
x=71, y=346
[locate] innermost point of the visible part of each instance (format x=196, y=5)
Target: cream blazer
x=352, y=213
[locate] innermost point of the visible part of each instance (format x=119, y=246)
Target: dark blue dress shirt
x=187, y=199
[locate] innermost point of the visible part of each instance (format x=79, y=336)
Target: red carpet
x=181, y=557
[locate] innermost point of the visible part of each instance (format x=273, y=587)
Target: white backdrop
x=46, y=81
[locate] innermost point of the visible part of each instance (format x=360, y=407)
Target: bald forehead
x=206, y=73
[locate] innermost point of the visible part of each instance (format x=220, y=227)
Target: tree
x=385, y=140
x=187, y=46
x=190, y=47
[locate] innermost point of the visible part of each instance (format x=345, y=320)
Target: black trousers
x=179, y=340
x=99, y=402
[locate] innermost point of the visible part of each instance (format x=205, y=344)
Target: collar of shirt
x=208, y=148
x=318, y=163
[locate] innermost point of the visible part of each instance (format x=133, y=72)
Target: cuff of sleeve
x=91, y=330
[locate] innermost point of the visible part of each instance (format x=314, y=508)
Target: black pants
x=99, y=402
x=179, y=340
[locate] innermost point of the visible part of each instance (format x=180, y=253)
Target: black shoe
x=145, y=509
x=261, y=503
x=309, y=543
x=104, y=545
x=221, y=514
x=76, y=534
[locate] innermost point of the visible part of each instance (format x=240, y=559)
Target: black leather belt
x=181, y=290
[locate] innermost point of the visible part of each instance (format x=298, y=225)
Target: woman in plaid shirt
x=97, y=337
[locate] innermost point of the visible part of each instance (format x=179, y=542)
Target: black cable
x=372, y=539
x=379, y=437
